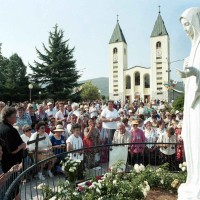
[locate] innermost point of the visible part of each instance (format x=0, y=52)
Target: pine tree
x=57, y=69
x=15, y=80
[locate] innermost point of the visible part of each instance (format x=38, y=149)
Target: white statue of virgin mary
x=190, y=19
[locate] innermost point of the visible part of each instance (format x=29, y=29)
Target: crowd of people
x=69, y=126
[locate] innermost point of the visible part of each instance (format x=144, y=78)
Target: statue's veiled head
x=190, y=19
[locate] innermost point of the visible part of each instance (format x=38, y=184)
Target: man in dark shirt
x=12, y=142
x=14, y=146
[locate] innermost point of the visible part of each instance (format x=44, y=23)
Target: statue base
x=186, y=192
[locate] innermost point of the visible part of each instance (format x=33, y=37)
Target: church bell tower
x=117, y=63
x=160, y=60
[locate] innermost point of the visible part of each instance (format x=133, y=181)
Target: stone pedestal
x=186, y=192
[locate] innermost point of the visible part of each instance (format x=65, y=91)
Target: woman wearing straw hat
x=58, y=140
x=58, y=144
x=137, y=150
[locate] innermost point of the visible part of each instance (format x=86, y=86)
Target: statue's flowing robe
x=191, y=121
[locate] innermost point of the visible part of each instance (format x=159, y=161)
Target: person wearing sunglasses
x=44, y=149
x=26, y=133
x=28, y=158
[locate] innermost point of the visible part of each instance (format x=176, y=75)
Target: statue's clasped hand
x=189, y=71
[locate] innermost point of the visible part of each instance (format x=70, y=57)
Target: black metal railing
x=96, y=163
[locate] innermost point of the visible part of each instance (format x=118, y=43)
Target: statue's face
x=187, y=27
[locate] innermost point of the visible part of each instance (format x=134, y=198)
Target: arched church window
x=115, y=57
x=115, y=50
x=146, y=81
x=137, y=78
x=128, y=82
x=158, y=45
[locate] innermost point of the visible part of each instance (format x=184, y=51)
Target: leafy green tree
x=3, y=62
x=56, y=70
x=89, y=91
x=179, y=103
x=15, y=79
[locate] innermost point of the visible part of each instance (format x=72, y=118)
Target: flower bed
x=120, y=185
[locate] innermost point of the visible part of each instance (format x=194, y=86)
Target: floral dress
x=93, y=140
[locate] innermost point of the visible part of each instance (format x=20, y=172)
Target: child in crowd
x=75, y=142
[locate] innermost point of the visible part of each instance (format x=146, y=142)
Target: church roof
x=137, y=67
x=117, y=35
x=159, y=27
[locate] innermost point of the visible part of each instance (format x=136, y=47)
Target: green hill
x=101, y=83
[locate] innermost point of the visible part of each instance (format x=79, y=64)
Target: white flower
x=98, y=190
x=95, y=184
x=144, y=193
x=183, y=169
x=142, y=167
x=137, y=170
x=180, y=166
x=66, y=161
x=107, y=175
x=136, y=167
x=147, y=188
x=71, y=169
x=175, y=183
x=53, y=198
x=114, y=182
x=41, y=186
x=162, y=181
x=119, y=170
x=91, y=186
x=101, y=180
x=75, y=193
x=184, y=164
x=146, y=183
x=63, y=168
x=74, y=168
x=99, y=184
x=158, y=170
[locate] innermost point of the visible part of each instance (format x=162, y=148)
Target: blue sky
x=88, y=24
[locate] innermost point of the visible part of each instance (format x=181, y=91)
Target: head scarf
x=193, y=16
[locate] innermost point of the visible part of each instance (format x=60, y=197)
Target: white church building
x=139, y=82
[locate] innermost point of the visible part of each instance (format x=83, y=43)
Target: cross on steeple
x=117, y=18
x=159, y=9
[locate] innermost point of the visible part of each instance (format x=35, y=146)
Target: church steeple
x=117, y=35
x=160, y=59
x=159, y=27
